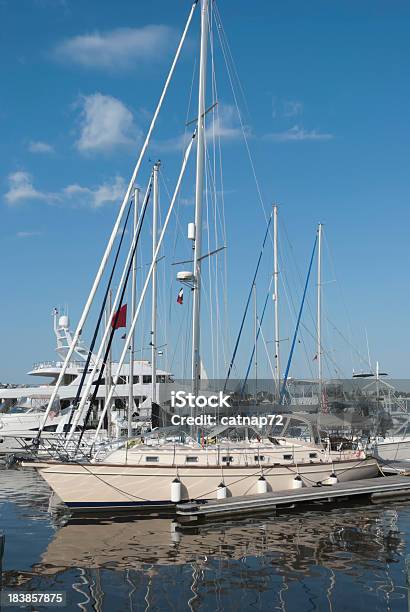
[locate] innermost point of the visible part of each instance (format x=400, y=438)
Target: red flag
x=180, y=298
x=120, y=318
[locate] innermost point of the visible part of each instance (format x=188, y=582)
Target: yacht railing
x=41, y=365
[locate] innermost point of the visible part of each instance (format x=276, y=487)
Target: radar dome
x=64, y=321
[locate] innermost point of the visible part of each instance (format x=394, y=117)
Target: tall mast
x=133, y=302
x=199, y=187
x=319, y=309
x=108, y=372
x=154, y=287
x=276, y=296
x=255, y=331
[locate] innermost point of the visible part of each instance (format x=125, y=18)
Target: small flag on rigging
x=120, y=318
x=180, y=298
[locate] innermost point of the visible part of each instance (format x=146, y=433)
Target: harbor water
x=340, y=558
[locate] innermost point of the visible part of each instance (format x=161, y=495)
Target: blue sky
x=325, y=111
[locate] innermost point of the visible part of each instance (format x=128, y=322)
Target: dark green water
x=342, y=559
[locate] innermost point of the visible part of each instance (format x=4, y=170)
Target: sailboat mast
x=255, y=331
x=319, y=309
x=199, y=187
x=154, y=287
x=276, y=296
x=108, y=371
x=133, y=303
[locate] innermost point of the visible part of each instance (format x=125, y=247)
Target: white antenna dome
x=64, y=321
x=185, y=277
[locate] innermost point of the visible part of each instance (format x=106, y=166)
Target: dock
x=377, y=489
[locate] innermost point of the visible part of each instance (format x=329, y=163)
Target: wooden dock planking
x=381, y=487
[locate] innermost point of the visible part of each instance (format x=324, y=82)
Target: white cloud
x=297, y=134
x=122, y=48
x=28, y=234
x=21, y=188
x=105, y=123
x=38, y=146
x=107, y=193
x=225, y=123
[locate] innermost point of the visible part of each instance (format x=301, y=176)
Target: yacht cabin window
x=227, y=459
x=259, y=457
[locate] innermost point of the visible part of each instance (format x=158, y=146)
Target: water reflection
x=342, y=559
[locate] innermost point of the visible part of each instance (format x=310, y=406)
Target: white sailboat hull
x=394, y=449
x=96, y=487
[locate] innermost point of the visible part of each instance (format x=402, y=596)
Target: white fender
x=176, y=491
x=222, y=491
x=262, y=485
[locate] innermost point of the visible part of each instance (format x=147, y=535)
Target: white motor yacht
x=23, y=408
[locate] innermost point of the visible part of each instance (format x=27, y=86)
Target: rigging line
x=325, y=352
x=97, y=326
x=305, y=327
x=171, y=288
x=182, y=322
x=144, y=309
x=298, y=271
x=248, y=302
x=215, y=293
x=292, y=308
x=177, y=227
x=257, y=336
x=267, y=354
x=185, y=133
x=217, y=217
x=225, y=335
x=219, y=28
x=162, y=314
x=342, y=295
x=300, y=280
x=213, y=176
x=207, y=180
x=297, y=324
x=186, y=355
x=230, y=55
x=116, y=317
x=363, y=359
